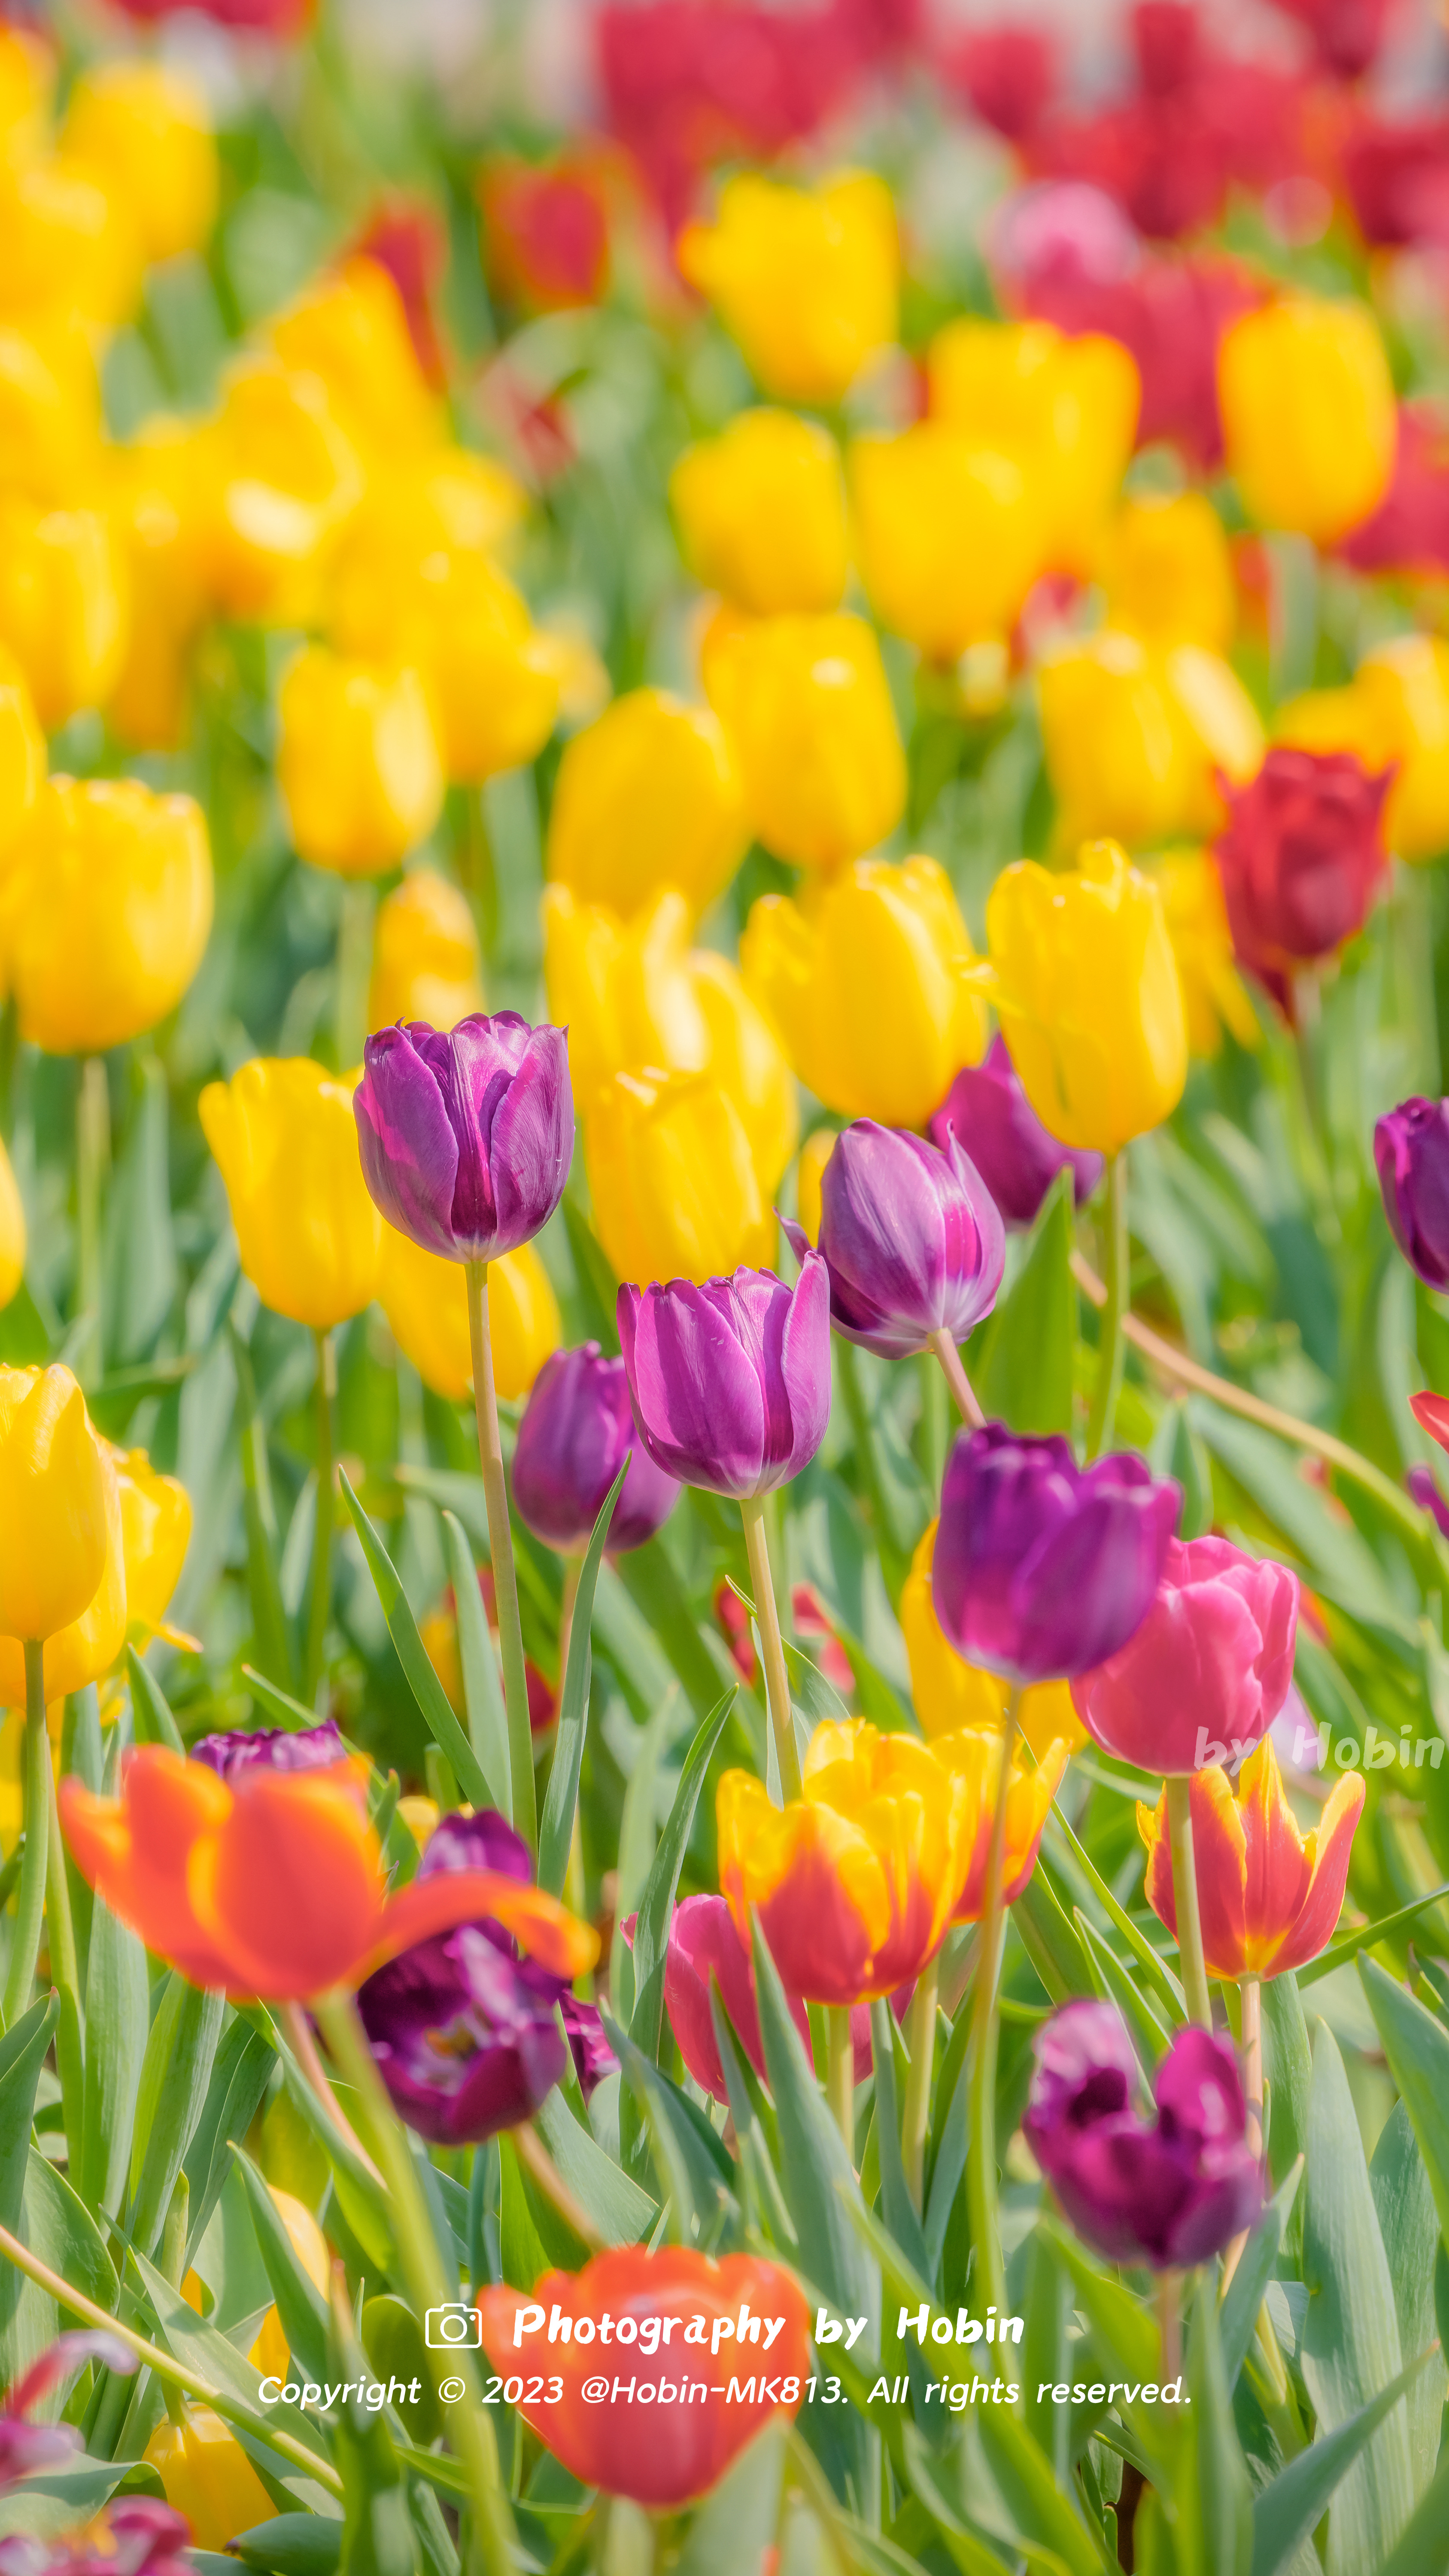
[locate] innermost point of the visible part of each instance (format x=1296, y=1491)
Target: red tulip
x=545, y=230
x=407, y=239
x=1301, y=860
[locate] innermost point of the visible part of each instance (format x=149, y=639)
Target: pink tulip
x=1203, y=1677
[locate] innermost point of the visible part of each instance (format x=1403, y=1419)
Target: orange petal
x=541, y=1926
x=1219, y=1847
x=1328, y=1853
x=290, y=1889
x=1152, y=1826
x=135, y=1850
x=1278, y=1870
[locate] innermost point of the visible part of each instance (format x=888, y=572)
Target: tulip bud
x=424, y=955
x=761, y=514
x=271, y=2352
x=349, y=331
x=69, y=244
x=50, y=424
x=949, y=533
x=1134, y=737
x=310, y=1239
x=576, y=1432
x=1208, y=1665
x=284, y=482
x=1066, y=410
x=1168, y=571
x=358, y=762
x=425, y=1300
x=1411, y=1150
x=142, y=129
x=988, y=1111
x=647, y=797
x=64, y=1575
x=730, y=1382
x=1308, y=414
x=675, y=1185
x=63, y=605
x=805, y=281
x=912, y=1241
x=105, y=909
x=1301, y=861
x=466, y=1137
x=207, y=2476
x=806, y=704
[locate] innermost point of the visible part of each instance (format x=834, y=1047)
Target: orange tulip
x=974, y=1756
x=272, y=1886
x=1269, y=1897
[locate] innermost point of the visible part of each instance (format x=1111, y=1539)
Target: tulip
x=988, y=1113
x=70, y=244
x=704, y=1950
x=1268, y=1898
x=155, y=1535
x=348, y=330
x=142, y=129
x=271, y=1885
x=647, y=797
x=1168, y=572
x=25, y=2447
x=1301, y=860
x=806, y=703
x=676, y=1186
x=493, y=678
x=425, y=1300
x=805, y=281
x=105, y=909
x=730, y=1381
x=465, y=2038
x=1135, y=736
x=1423, y=1485
x=285, y=480
x=592, y=2056
x=135, y=2537
x=624, y=2450
x=358, y=762
x=64, y=609
x=951, y=1696
x=1171, y=2193
x=911, y=1240
x=240, y=1750
x=407, y=238
x=1065, y=409
x=208, y=2477
x=50, y=415
x=545, y=230
x=872, y=983
x=577, y=1430
x=761, y=514
x=1401, y=690
x=1411, y=1151
x=22, y=752
x=1214, y=995
x=159, y=490
x=12, y=1231
x=424, y=955
x=949, y=535
x=1431, y=1412
x=310, y=1239
x=1202, y=1675
x=466, y=1135
x=63, y=1572
x=1308, y=415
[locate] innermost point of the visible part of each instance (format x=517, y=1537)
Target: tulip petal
x=543, y=1928
x=134, y=1851
x=697, y=1398
x=1328, y=1854
x=1279, y=1868
x=1221, y=1842
x=406, y=1140
x=289, y=1889
x=530, y=1140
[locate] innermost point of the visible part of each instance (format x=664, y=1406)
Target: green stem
x=469, y=2428
x=1250, y=2005
x=1111, y=1350
x=953, y=1370
x=64, y=1976
x=354, y=968
x=935, y=1432
x=840, y=2073
x=92, y=1154
x=777, y=1679
x=500, y=1549
x=1169, y=2325
x=916, y=2114
x=981, y=2099
x=30, y=1902
x=319, y=1606
x=1184, y=1897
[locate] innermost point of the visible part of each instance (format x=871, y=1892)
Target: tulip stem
x=573, y=1566
x=916, y=2115
x=954, y=1372
x=319, y=1604
x=1178, y=1788
x=1169, y=2322
x=1111, y=1350
x=777, y=1679
x=981, y=2101
x=500, y=1549
x=30, y=1901
x=304, y=2048
x=1250, y=1998
x=60, y=1929
x=92, y=1153
x=840, y=2073
x=469, y=2428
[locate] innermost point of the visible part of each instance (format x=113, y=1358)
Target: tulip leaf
x=526, y=2257
x=189, y=2339
x=271, y=1631
x=556, y=1827
x=175, y=2075
x=1416, y=2044
x=118, y=2004
x=291, y=2544
x=1422, y=2548
x=753, y=2124
x=239, y=2079
x=1367, y=1936
x=1022, y=1371
x=1213, y=2493
x=897, y=2208
x=1248, y=2287
x=1044, y=2351
x=150, y=1712
x=622, y=2213
x=1126, y=2330
x=140, y=1248
x=1050, y=1939
x=697, y=2173
x=482, y=1686
x=363, y=2202
x=1169, y=2007
x=736, y=2523
x=59, y=2229
x=1150, y=2037
x=412, y=1654
x=656, y=1906
x=817, y=2177
x=1285, y=2512
x=1409, y=2227
x=303, y=2311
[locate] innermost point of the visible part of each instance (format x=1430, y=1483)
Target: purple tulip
x=1411, y=1149
x=730, y=1382
x=484, y=1840
x=135, y=2536
x=1169, y=2192
x=1423, y=1486
x=593, y=2057
x=466, y=2038
x=992, y=1119
x=270, y=1748
x=576, y=1432
x=911, y=1239
x=466, y=1137
x=26, y=2447
x=1043, y=1568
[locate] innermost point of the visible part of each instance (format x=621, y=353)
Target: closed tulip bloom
x=1169, y=573
x=1307, y=406
x=349, y=329
x=1268, y=1896
x=577, y=1430
x=648, y=796
x=911, y=1238
x=951, y=1696
x=1203, y=1674
x=424, y=955
x=1065, y=409
x=160, y=498
x=1089, y=996
x=989, y=1114
x=12, y=1231
x=56, y=1502
x=1411, y=1152
x=807, y=706
x=1135, y=735
x=425, y=1300
x=284, y=481
x=358, y=762
x=625, y=2452
x=761, y=514
x=677, y=1183
x=105, y=910
x=143, y=130
x=207, y=2476
x=1043, y=1568
x=50, y=422
x=285, y=1138
x=70, y=244
x=704, y=1949
x=155, y=1534
x=949, y=535
x=1214, y=995
x=22, y=751
x=804, y=280
x=1169, y=2193
x=872, y=984
x=237, y=1751
x=1301, y=861
x=466, y=1136
x=64, y=606
x=493, y=677
x=730, y=1381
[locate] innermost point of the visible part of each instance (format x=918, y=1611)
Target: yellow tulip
x=1168, y=571
x=1065, y=409
x=160, y=496
x=358, y=762
x=271, y=2352
x=950, y=534
x=425, y=1300
x=105, y=909
x=805, y=280
x=493, y=677
x=448, y=500
x=207, y=2476
x=155, y=1535
x=672, y=1176
x=1213, y=992
x=12, y=1231
x=806, y=704
x=1089, y=996
x=648, y=796
x=22, y=751
x=27, y=83
x=869, y=981
x=285, y=481
x=70, y=245
x=1396, y=708
x=761, y=513
x=1133, y=737
x=424, y=955
x=950, y=1694
x=421, y=1815
x=50, y=416
x=350, y=330
x=62, y=1567
x=64, y=606
x=1308, y=415
x=142, y=129
x=310, y=1239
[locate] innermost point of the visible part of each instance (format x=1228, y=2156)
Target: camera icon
x=454, y=2327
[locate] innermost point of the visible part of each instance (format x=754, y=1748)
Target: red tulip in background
x=1345, y=34
x=1006, y=73
x=1301, y=860
x=545, y=230
x=280, y=19
x=408, y=240
x=1409, y=531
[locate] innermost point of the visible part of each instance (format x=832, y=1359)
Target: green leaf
x=304, y=2313
x=421, y=1679
x=363, y=2201
x=1416, y=2045
x=1168, y=2007
x=525, y=2256
x=393, y=2341
x=1288, y=2069
x=1422, y=2548
x=239, y=2078
x=556, y=1827
x=118, y=2004
x=60, y=2230
x=378, y=2538
x=697, y=2172
x=1049, y=1938
x=140, y=1248
x=1409, y=2227
x=1248, y=2287
x=1367, y=1936
x=622, y=2213
x=150, y=1713
x=271, y=1633
x=175, y=2076
x=1044, y=2349
x=1150, y=2037
x=735, y=2525
x=897, y=2208
x=482, y=1686
x=291, y=2544
x=656, y=1906
x=1023, y=1374
x=22, y=2055
x=1214, y=2494
x=1285, y=2512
